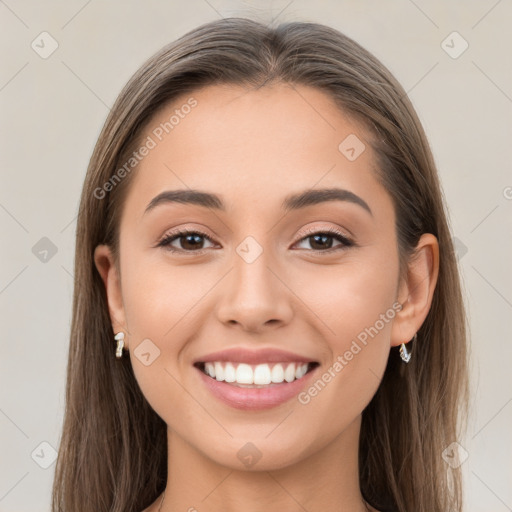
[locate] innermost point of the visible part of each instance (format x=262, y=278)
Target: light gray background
x=51, y=113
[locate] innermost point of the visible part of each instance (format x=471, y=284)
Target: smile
x=253, y=387
x=254, y=376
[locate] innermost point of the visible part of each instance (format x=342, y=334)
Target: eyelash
x=332, y=232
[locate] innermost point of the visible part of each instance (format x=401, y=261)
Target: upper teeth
x=259, y=374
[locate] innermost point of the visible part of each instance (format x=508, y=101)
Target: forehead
x=253, y=146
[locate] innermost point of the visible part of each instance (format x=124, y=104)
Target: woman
x=267, y=310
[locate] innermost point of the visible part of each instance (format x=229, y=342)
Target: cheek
x=159, y=296
x=161, y=301
x=357, y=305
x=351, y=297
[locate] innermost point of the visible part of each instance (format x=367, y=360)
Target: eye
x=322, y=241
x=188, y=241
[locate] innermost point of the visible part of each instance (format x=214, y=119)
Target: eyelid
x=331, y=230
x=169, y=236
x=346, y=240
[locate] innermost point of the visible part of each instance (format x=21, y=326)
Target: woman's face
x=260, y=289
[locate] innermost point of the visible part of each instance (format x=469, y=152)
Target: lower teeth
x=254, y=385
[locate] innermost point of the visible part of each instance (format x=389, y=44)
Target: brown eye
x=187, y=241
x=322, y=241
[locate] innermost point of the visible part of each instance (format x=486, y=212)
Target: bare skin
x=253, y=149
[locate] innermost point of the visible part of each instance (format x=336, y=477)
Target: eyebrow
x=291, y=202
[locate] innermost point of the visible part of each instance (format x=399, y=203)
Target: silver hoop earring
x=405, y=354
x=119, y=337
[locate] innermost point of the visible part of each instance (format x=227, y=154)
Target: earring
x=119, y=337
x=405, y=355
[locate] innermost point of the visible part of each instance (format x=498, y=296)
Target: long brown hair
x=113, y=450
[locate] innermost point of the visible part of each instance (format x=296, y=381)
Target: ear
x=416, y=290
x=105, y=263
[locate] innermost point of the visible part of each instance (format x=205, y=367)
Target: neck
x=327, y=480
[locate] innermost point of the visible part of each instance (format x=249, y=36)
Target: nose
x=254, y=296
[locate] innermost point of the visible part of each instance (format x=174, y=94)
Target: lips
x=255, y=379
